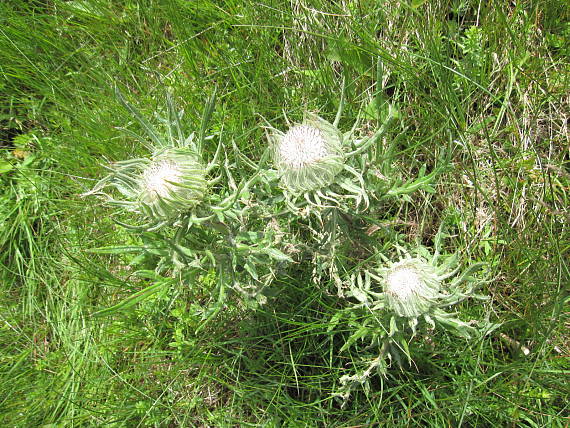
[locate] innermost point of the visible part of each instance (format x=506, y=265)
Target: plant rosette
x=398, y=297
x=188, y=223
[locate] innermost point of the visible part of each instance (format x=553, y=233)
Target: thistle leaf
x=135, y=298
x=277, y=255
x=149, y=129
x=208, y=110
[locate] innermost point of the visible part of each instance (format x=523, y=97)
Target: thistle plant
x=396, y=298
x=187, y=220
x=169, y=184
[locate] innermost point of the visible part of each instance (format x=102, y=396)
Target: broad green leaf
x=360, y=333
x=5, y=166
x=277, y=255
x=417, y=3
x=250, y=267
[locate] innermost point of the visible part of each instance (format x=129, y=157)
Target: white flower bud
x=309, y=155
x=174, y=182
x=411, y=287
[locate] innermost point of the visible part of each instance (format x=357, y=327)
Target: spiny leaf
x=206, y=118
x=149, y=129
x=118, y=249
x=135, y=298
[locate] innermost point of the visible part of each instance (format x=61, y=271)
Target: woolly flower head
x=411, y=286
x=309, y=155
x=173, y=182
x=159, y=180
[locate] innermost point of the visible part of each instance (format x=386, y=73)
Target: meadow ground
x=489, y=81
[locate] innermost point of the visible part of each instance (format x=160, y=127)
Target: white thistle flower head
x=411, y=287
x=159, y=178
x=309, y=155
x=173, y=182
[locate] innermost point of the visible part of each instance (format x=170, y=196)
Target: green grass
x=486, y=83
